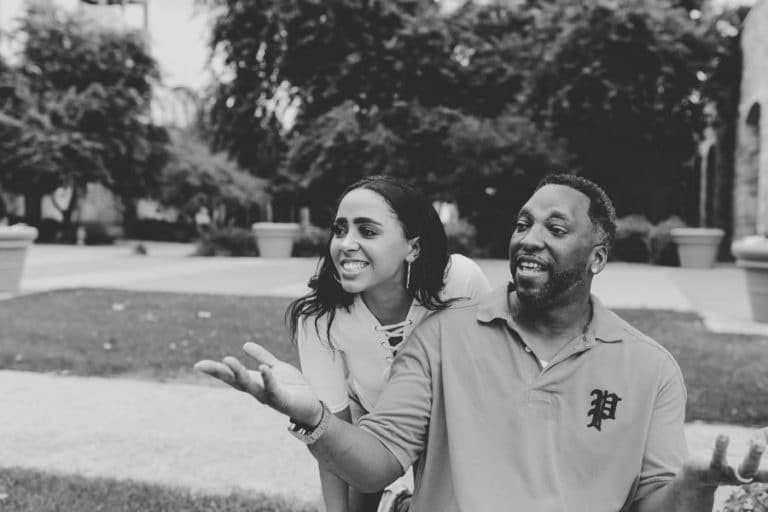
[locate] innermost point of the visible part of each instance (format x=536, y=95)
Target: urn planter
x=14, y=241
x=751, y=254
x=275, y=239
x=697, y=247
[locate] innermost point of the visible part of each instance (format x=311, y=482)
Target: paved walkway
x=209, y=438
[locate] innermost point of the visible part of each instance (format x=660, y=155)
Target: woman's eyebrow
x=365, y=220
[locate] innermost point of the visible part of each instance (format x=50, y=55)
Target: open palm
x=274, y=383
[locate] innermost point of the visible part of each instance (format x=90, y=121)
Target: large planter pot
x=751, y=254
x=14, y=241
x=275, y=239
x=697, y=247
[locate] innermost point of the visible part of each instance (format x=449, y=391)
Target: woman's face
x=368, y=247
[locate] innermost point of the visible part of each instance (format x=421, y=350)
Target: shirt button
x=527, y=349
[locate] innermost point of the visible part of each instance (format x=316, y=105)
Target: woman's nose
x=349, y=242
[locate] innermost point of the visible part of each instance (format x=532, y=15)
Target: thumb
x=260, y=354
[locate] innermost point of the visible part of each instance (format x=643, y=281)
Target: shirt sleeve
x=465, y=278
x=400, y=420
x=666, y=447
x=322, y=365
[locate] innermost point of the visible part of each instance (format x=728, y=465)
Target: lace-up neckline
x=394, y=332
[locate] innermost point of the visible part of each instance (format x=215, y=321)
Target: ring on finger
x=741, y=479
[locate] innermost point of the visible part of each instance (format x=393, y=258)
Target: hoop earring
x=408, y=275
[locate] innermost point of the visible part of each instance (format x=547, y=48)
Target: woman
x=386, y=269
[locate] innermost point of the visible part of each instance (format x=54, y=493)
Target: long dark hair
x=418, y=219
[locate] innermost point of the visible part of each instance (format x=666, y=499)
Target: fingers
x=270, y=384
x=260, y=354
x=242, y=378
x=719, y=462
x=749, y=466
x=216, y=370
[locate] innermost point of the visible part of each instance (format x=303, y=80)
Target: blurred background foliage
x=476, y=104
x=473, y=105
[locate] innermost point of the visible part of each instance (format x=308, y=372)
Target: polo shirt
x=600, y=427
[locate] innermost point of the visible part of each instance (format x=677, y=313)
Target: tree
x=383, y=87
x=622, y=83
x=79, y=102
x=194, y=177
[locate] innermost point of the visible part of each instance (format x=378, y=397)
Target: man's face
x=553, y=247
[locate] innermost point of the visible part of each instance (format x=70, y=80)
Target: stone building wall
x=750, y=212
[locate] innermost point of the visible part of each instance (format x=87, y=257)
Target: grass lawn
x=23, y=490
x=116, y=332
x=160, y=336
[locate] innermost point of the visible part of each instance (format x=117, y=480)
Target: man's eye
x=521, y=225
x=558, y=230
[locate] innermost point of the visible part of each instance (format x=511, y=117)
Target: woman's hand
x=273, y=383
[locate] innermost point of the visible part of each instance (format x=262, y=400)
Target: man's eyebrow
x=559, y=215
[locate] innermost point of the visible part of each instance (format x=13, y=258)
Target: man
x=537, y=398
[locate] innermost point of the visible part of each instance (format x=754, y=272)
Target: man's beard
x=555, y=287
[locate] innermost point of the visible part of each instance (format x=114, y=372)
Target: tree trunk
x=32, y=209
x=130, y=212
x=66, y=213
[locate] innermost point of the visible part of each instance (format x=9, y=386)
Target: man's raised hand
x=718, y=471
x=273, y=383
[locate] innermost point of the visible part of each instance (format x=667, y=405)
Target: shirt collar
x=605, y=326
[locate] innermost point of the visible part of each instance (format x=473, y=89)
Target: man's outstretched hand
x=718, y=471
x=273, y=383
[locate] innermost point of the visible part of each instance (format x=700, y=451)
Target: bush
x=632, y=239
x=750, y=498
x=48, y=231
x=230, y=241
x=52, y=231
x=462, y=238
x=663, y=249
x=311, y=241
x=97, y=233
x=161, y=231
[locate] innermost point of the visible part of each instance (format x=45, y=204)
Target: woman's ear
x=414, y=251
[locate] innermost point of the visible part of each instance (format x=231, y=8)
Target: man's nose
x=533, y=237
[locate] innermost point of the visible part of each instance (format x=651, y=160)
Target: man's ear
x=598, y=259
x=415, y=251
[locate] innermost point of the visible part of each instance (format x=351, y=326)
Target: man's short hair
x=601, y=211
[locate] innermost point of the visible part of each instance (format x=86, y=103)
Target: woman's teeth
x=353, y=266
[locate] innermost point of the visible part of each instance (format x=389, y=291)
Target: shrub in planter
x=749, y=498
x=632, y=239
x=462, y=237
x=229, y=241
x=663, y=248
x=161, y=230
x=310, y=242
x=48, y=231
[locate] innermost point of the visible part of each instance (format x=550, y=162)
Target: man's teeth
x=527, y=265
x=353, y=265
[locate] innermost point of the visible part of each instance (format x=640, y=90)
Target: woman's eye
x=521, y=225
x=338, y=229
x=367, y=232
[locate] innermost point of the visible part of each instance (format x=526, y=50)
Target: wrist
x=312, y=430
x=312, y=419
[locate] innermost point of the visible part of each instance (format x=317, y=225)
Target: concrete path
x=209, y=438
